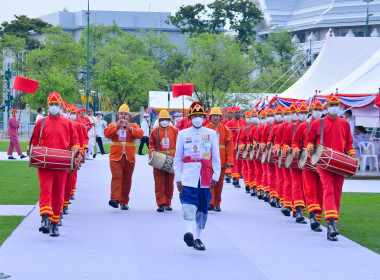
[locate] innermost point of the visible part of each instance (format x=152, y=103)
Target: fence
x=25, y=130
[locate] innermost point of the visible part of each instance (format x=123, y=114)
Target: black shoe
x=299, y=216
x=272, y=202
x=11, y=157
x=260, y=194
x=278, y=203
x=113, y=203
x=332, y=231
x=140, y=154
x=253, y=192
x=286, y=211
x=65, y=210
x=45, y=223
x=60, y=222
x=124, y=207
x=189, y=239
x=23, y=156
x=247, y=190
x=94, y=155
x=72, y=197
x=54, y=230
x=228, y=178
x=294, y=214
x=217, y=209
x=161, y=208
x=266, y=197
x=198, y=245
x=211, y=207
x=234, y=181
x=168, y=208
x=314, y=224
x=104, y=153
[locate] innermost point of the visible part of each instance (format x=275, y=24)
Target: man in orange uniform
x=335, y=133
x=54, y=132
x=275, y=177
x=122, y=156
x=295, y=173
x=234, y=125
x=256, y=135
x=226, y=149
x=165, y=144
x=251, y=164
x=312, y=185
x=230, y=116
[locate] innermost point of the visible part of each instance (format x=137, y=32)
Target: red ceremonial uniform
x=338, y=137
x=234, y=126
x=274, y=179
x=58, y=133
x=225, y=121
x=245, y=138
x=286, y=180
x=184, y=123
x=257, y=133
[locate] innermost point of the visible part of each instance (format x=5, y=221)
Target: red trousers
x=52, y=189
x=228, y=171
x=244, y=170
x=74, y=185
x=121, y=181
x=332, y=192
x=14, y=143
x=287, y=188
x=164, y=186
x=258, y=175
x=216, y=191
x=265, y=177
x=251, y=174
x=279, y=183
x=297, y=190
x=237, y=168
x=68, y=187
x=313, y=191
x=271, y=175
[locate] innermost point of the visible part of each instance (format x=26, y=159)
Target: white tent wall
x=159, y=99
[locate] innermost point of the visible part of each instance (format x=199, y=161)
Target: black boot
x=60, y=222
x=45, y=223
x=253, y=192
x=65, y=210
x=124, y=207
x=211, y=207
x=314, y=224
x=23, y=156
x=54, y=230
x=168, y=208
x=189, y=239
x=273, y=202
x=228, y=178
x=11, y=157
x=217, y=209
x=113, y=203
x=198, y=245
x=286, y=211
x=278, y=203
x=266, y=197
x=260, y=194
x=299, y=216
x=332, y=231
x=247, y=190
x=161, y=208
x=72, y=197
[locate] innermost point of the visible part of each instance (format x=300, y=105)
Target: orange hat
x=317, y=104
x=286, y=110
x=254, y=112
x=303, y=108
x=124, y=108
x=236, y=109
x=54, y=97
x=332, y=98
x=229, y=109
x=270, y=111
x=163, y=114
x=248, y=114
x=263, y=113
x=293, y=107
x=215, y=111
x=196, y=108
x=14, y=111
x=278, y=110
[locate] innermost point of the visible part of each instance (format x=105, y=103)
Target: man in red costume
x=234, y=126
x=337, y=136
x=84, y=120
x=54, y=132
x=251, y=164
x=256, y=135
x=185, y=122
x=230, y=116
x=242, y=135
x=312, y=185
x=13, y=134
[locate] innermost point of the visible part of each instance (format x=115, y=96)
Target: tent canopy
x=158, y=100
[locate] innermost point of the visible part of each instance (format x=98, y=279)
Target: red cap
x=236, y=109
x=54, y=97
x=303, y=108
x=278, y=110
x=317, y=104
x=270, y=111
x=332, y=98
x=230, y=109
x=293, y=107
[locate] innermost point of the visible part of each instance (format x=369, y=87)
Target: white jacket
x=207, y=142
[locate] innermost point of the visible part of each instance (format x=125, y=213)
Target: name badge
x=195, y=152
x=122, y=135
x=165, y=143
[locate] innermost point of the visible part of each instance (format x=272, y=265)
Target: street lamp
x=168, y=85
x=366, y=26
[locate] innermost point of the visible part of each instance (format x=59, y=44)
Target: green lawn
x=7, y=225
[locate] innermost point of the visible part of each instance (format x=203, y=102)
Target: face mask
x=294, y=117
x=317, y=114
x=263, y=121
x=302, y=117
x=248, y=120
x=270, y=119
x=197, y=122
x=333, y=110
x=54, y=110
x=164, y=123
x=73, y=117
x=287, y=118
x=278, y=118
x=255, y=120
x=43, y=112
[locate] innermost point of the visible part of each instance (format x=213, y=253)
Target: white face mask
x=255, y=120
x=270, y=119
x=54, y=110
x=294, y=117
x=287, y=118
x=73, y=117
x=278, y=118
x=248, y=120
x=164, y=124
x=263, y=121
x=197, y=122
x=43, y=113
x=333, y=110
x=317, y=114
x=302, y=117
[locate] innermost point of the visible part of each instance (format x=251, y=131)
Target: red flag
x=182, y=89
x=25, y=85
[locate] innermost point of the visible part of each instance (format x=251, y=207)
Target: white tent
x=159, y=100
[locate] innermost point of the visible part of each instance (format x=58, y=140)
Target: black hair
x=361, y=129
x=39, y=110
x=349, y=112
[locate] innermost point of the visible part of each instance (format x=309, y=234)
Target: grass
x=7, y=225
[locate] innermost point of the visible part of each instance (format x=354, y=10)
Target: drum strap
x=322, y=129
x=308, y=126
x=270, y=129
x=42, y=129
x=158, y=137
x=294, y=129
x=249, y=136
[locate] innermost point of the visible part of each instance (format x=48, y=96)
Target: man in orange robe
x=226, y=149
x=163, y=180
x=54, y=132
x=122, y=156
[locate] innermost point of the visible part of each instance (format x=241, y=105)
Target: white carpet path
x=247, y=240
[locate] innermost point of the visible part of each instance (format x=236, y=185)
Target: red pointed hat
x=73, y=109
x=317, y=104
x=303, y=108
x=278, y=110
x=263, y=113
x=197, y=108
x=229, y=109
x=286, y=110
x=236, y=109
x=223, y=111
x=332, y=98
x=293, y=107
x=270, y=111
x=254, y=112
x=54, y=97
x=14, y=111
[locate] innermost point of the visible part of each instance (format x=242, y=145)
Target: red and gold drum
x=304, y=161
x=252, y=153
x=42, y=157
x=247, y=151
x=264, y=156
x=239, y=153
x=334, y=161
x=259, y=152
x=273, y=154
x=291, y=161
x=281, y=159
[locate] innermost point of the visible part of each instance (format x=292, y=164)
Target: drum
x=304, y=161
x=252, y=153
x=247, y=152
x=239, y=153
x=264, y=156
x=273, y=156
x=291, y=161
x=281, y=160
x=161, y=161
x=259, y=152
x=42, y=157
x=335, y=161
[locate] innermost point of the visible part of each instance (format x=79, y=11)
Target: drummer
x=226, y=150
x=57, y=133
x=251, y=164
x=244, y=131
x=229, y=117
x=122, y=156
x=165, y=144
x=337, y=136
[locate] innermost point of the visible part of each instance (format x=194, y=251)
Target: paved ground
x=247, y=240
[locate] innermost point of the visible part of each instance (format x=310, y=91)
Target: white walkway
x=247, y=240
